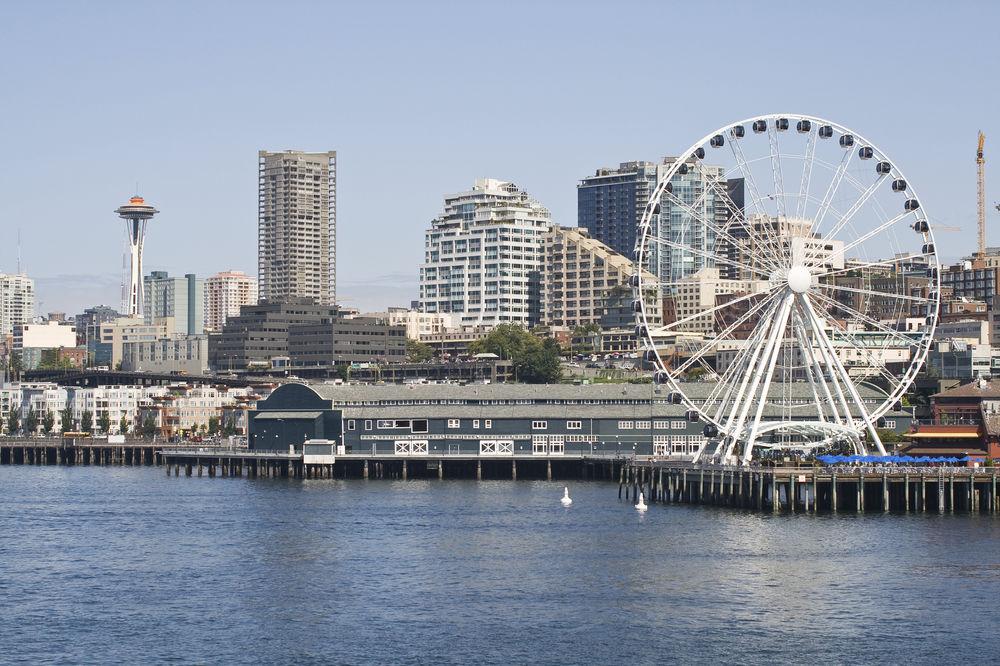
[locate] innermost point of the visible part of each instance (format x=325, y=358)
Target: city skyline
x=385, y=119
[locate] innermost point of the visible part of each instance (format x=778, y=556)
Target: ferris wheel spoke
x=705, y=253
x=863, y=317
x=740, y=368
x=693, y=213
x=855, y=207
x=813, y=369
x=779, y=189
x=831, y=190
x=876, y=294
x=721, y=337
x=775, y=348
x=862, y=265
x=672, y=327
x=805, y=181
x=735, y=146
x=773, y=257
x=873, y=360
x=876, y=231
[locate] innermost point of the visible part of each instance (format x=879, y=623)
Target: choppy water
x=128, y=565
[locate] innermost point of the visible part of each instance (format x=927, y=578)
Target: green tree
x=13, y=421
x=48, y=422
x=418, y=352
x=342, y=371
x=66, y=419
x=149, y=425
x=213, y=425
x=123, y=425
x=31, y=422
x=87, y=421
x=535, y=361
x=104, y=422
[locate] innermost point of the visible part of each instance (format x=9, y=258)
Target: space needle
x=136, y=214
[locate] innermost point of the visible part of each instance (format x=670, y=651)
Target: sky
x=421, y=98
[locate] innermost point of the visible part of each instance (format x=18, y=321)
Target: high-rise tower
x=136, y=214
x=297, y=227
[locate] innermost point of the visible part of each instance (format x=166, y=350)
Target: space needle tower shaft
x=136, y=213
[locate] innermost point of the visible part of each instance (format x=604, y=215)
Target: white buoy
x=566, y=501
x=641, y=504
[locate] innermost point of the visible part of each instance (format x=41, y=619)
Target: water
x=128, y=565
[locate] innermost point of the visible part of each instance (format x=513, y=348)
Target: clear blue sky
x=421, y=98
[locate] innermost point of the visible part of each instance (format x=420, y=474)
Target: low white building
x=181, y=354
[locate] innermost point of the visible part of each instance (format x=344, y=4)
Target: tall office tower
x=610, y=203
x=17, y=301
x=136, y=214
x=484, y=255
x=225, y=294
x=297, y=226
x=182, y=299
x=699, y=192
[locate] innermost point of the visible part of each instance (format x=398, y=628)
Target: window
x=625, y=425
x=539, y=425
x=368, y=424
x=350, y=424
x=475, y=423
x=454, y=423
x=384, y=425
x=661, y=425
x=488, y=424
x=418, y=425
x=890, y=424
x=642, y=425
x=573, y=425
x=678, y=425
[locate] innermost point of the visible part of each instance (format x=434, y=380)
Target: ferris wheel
x=786, y=286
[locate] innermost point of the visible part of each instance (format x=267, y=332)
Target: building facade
x=259, y=334
x=317, y=349
x=580, y=276
x=484, y=255
x=17, y=301
x=297, y=226
x=182, y=299
x=610, y=203
x=180, y=354
x=225, y=294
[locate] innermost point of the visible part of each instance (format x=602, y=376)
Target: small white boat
x=640, y=506
x=566, y=500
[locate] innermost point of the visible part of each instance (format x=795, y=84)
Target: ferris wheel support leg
x=741, y=404
x=777, y=333
x=817, y=329
x=869, y=425
x=813, y=370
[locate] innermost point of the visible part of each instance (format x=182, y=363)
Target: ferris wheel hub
x=799, y=279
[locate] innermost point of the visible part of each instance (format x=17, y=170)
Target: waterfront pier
x=78, y=451
x=815, y=489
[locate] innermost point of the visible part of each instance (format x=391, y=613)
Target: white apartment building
x=420, y=323
x=17, y=301
x=133, y=329
x=225, y=293
x=47, y=335
x=484, y=255
x=297, y=226
x=187, y=408
x=579, y=278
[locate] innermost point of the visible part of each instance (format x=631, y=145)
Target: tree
x=213, y=425
x=149, y=425
x=66, y=419
x=48, y=422
x=31, y=422
x=13, y=421
x=418, y=352
x=535, y=361
x=104, y=422
x=123, y=425
x=87, y=421
x=342, y=371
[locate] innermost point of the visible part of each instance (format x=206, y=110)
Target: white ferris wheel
x=786, y=287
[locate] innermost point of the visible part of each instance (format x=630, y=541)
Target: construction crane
x=981, y=194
